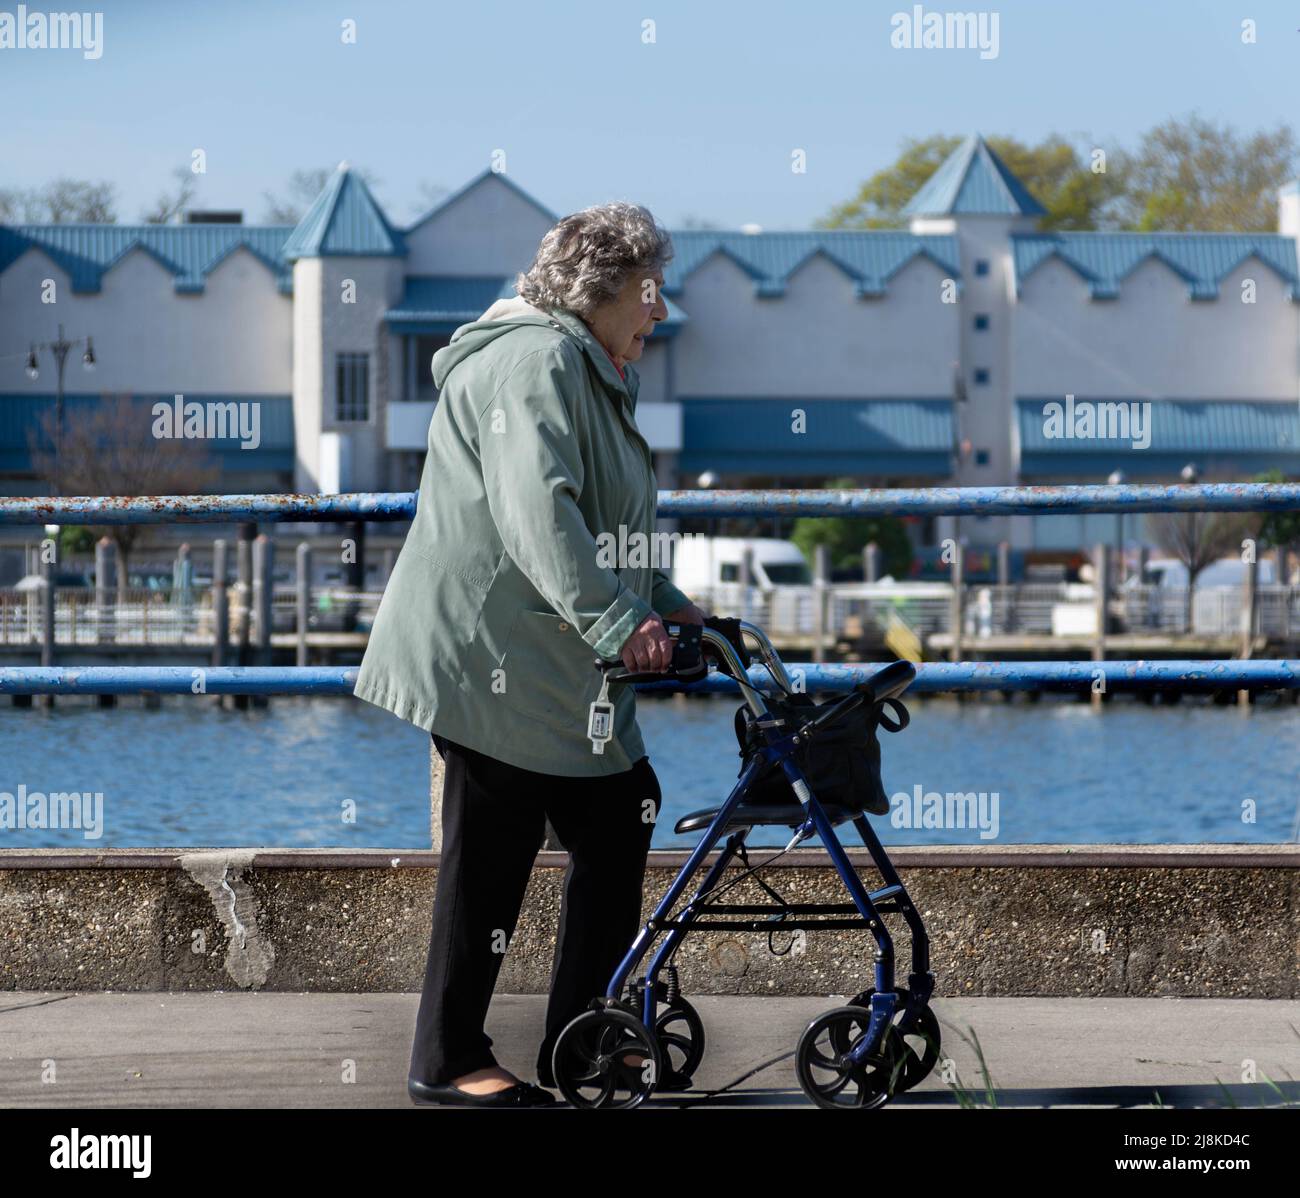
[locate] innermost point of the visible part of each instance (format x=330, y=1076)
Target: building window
x=981, y=377
x=981, y=322
x=419, y=365
x=352, y=388
x=981, y=457
x=981, y=266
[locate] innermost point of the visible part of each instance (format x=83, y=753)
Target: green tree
x=1057, y=174
x=1185, y=174
x=846, y=537
x=1192, y=174
x=1277, y=528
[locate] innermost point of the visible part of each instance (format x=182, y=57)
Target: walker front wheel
x=606, y=1059
x=919, y=1037
x=834, y=1082
x=681, y=1037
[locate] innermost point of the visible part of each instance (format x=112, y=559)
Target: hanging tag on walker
x=600, y=720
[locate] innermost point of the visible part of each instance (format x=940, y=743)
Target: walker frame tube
x=893, y=896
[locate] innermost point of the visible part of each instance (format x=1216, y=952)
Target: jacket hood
x=501, y=318
x=508, y=314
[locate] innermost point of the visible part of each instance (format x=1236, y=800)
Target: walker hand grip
x=687, y=665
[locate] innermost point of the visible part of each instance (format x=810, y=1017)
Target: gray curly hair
x=588, y=257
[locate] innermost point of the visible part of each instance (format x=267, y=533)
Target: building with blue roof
x=935, y=354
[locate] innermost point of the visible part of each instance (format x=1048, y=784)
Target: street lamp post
x=60, y=348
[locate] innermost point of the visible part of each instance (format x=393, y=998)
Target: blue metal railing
x=906, y=501
x=930, y=677
x=938, y=501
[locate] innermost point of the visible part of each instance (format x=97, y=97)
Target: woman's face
x=622, y=324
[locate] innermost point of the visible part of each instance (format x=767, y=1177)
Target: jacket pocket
x=549, y=671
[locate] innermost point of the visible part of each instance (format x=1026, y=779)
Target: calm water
x=323, y=772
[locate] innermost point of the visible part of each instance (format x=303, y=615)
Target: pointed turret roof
x=344, y=220
x=973, y=181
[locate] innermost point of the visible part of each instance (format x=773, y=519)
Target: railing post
x=105, y=591
x=1004, y=585
x=47, y=617
x=747, y=583
x=243, y=615
x=1101, y=602
x=821, y=595
x=957, y=614
x=1249, y=618
x=303, y=602
x=263, y=595
x=871, y=561
x=183, y=588
x=220, y=603
x=1284, y=590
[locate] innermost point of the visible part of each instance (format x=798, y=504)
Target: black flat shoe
x=521, y=1094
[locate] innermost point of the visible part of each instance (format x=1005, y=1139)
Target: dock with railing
x=1156, y=920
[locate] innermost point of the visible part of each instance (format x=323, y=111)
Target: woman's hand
x=649, y=650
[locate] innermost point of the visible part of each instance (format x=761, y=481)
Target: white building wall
x=232, y=338
x=489, y=230
x=818, y=340
x=351, y=296
x=1153, y=341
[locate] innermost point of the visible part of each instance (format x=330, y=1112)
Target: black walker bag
x=841, y=762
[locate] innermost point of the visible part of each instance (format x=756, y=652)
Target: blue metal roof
x=442, y=303
x=896, y=437
x=21, y=420
x=189, y=252
x=870, y=258
x=973, y=181
x=344, y=221
x=1104, y=260
x=1219, y=436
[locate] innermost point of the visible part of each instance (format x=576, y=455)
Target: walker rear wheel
x=606, y=1059
x=919, y=1039
x=831, y=1080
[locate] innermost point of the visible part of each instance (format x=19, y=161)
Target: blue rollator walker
x=809, y=767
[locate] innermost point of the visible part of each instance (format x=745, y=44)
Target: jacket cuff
x=664, y=597
x=616, y=623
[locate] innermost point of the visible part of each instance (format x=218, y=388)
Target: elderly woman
x=499, y=603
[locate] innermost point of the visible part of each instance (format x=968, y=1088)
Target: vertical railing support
x=1101, y=602
x=220, y=602
x=821, y=599
x=1249, y=617
x=957, y=615
x=303, y=599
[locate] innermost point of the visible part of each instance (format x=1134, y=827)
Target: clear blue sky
x=700, y=124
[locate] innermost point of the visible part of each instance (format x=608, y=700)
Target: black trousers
x=493, y=823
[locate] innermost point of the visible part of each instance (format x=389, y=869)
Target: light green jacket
x=501, y=598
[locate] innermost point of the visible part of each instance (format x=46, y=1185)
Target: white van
x=704, y=563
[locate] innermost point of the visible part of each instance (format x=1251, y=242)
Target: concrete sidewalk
x=274, y=1049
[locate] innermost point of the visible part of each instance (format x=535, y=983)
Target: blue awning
x=1087, y=437
x=890, y=437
